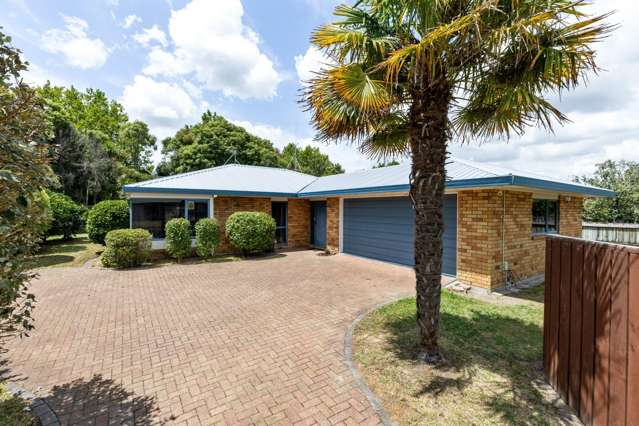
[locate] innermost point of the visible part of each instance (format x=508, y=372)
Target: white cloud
x=348, y=156
x=165, y=107
x=130, y=20
x=310, y=63
x=213, y=43
x=150, y=35
x=78, y=49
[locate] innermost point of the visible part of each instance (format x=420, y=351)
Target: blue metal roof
x=241, y=180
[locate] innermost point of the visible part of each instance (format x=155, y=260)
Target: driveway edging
x=348, y=360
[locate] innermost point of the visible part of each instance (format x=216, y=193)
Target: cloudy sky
x=169, y=61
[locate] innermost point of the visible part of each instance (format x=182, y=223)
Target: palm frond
x=388, y=139
x=358, y=89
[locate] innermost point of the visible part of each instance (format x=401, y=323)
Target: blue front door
x=318, y=216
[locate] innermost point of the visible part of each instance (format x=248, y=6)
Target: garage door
x=384, y=229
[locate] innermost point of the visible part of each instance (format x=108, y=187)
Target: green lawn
x=492, y=363
x=58, y=252
x=12, y=410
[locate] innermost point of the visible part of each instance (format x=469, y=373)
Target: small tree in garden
x=178, y=238
x=106, y=216
x=408, y=75
x=24, y=171
x=68, y=216
x=251, y=232
x=207, y=237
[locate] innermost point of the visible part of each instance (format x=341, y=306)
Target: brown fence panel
x=591, y=328
x=632, y=404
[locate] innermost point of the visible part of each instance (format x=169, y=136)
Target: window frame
x=547, y=202
x=183, y=201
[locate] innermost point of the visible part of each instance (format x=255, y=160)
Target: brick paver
x=250, y=342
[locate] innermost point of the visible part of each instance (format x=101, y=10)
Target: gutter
x=497, y=181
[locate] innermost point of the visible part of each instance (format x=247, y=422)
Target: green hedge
x=107, y=216
x=68, y=216
x=207, y=237
x=178, y=238
x=126, y=248
x=251, y=231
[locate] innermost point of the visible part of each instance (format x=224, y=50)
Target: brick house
x=495, y=220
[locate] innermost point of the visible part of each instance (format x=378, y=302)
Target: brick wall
x=223, y=207
x=479, y=217
x=299, y=216
x=480, y=248
x=332, y=224
x=299, y=223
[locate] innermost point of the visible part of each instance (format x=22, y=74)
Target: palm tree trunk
x=429, y=134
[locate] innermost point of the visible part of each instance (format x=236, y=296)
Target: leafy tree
x=308, y=160
x=23, y=173
x=409, y=74
x=87, y=111
x=213, y=142
x=381, y=164
x=621, y=177
x=88, y=127
x=138, y=145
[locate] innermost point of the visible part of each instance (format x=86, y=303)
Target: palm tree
x=408, y=75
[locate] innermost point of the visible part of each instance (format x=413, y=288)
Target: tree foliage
x=309, y=160
x=409, y=74
x=106, y=216
x=213, y=142
x=95, y=149
x=621, y=177
x=68, y=216
x=23, y=173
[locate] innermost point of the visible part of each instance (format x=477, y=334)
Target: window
x=196, y=210
x=545, y=216
x=153, y=215
x=279, y=211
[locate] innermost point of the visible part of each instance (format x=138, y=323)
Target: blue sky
x=168, y=61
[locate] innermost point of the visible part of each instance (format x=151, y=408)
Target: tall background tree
x=95, y=149
x=621, y=177
x=23, y=175
x=215, y=141
x=309, y=160
x=411, y=74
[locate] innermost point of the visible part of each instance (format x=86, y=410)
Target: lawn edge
x=348, y=359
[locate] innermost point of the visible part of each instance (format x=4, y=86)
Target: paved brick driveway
x=251, y=342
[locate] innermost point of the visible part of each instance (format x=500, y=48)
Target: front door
x=279, y=211
x=318, y=224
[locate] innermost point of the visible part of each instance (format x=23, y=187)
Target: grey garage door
x=384, y=229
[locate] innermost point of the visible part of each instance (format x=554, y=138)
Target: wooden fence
x=591, y=328
x=620, y=233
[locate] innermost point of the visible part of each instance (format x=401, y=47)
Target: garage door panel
x=384, y=229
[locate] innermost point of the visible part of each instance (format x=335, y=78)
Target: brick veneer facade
x=332, y=225
x=299, y=223
x=479, y=227
x=298, y=218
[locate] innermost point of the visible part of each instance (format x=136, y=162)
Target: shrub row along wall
x=591, y=328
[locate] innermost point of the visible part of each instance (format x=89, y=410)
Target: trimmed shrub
x=207, y=237
x=106, y=216
x=251, y=231
x=126, y=248
x=68, y=216
x=178, y=238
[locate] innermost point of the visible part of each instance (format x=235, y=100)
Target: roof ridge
x=272, y=168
